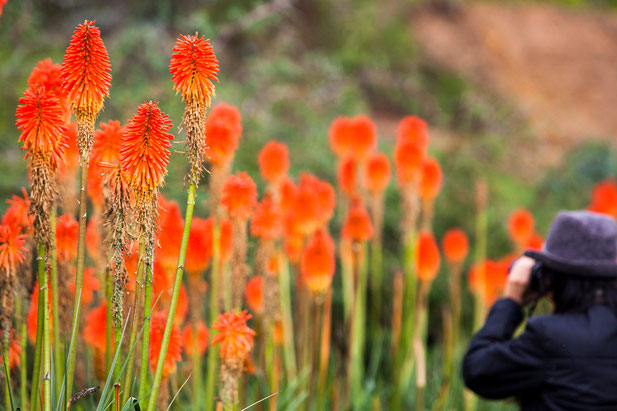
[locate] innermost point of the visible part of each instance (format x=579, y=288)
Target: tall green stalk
x=289, y=351
x=46, y=338
x=376, y=278
x=8, y=398
x=38, y=346
x=145, y=341
x=190, y=204
x=23, y=344
x=109, y=349
x=355, y=368
x=214, y=311
x=79, y=276
x=57, y=343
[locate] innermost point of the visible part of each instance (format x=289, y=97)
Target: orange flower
x=67, y=231
x=107, y=141
x=357, y=226
x=235, y=336
x=273, y=161
x=48, y=75
x=193, y=67
x=520, y=226
x=239, y=196
x=317, y=264
x=226, y=239
x=535, y=242
x=12, y=248
x=314, y=205
x=408, y=157
x=40, y=119
x=199, y=251
x=162, y=287
x=91, y=284
x=201, y=338
x=229, y=115
x=254, y=293
x=145, y=147
x=455, y=245
x=267, y=221
x=86, y=70
x=172, y=225
x=14, y=347
x=347, y=177
x=427, y=257
x=488, y=279
x=430, y=179
x=414, y=130
x=377, y=172
x=174, y=350
x=18, y=212
x=294, y=238
x=220, y=142
x=289, y=191
x=2, y=3
x=604, y=198
x=96, y=327
x=71, y=154
x=353, y=137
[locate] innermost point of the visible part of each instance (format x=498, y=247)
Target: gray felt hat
x=580, y=243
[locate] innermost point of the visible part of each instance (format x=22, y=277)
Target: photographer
x=566, y=360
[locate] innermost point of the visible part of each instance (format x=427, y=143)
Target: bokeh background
x=521, y=93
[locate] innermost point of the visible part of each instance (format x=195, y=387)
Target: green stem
x=376, y=282
x=348, y=280
x=8, y=398
x=23, y=343
x=135, y=320
x=108, y=321
x=356, y=352
x=190, y=204
x=36, y=373
x=214, y=312
x=145, y=342
x=79, y=276
x=58, y=360
x=288, y=345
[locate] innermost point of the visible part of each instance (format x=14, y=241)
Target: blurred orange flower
x=174, y=350
x=162, y=287
x=353, y=137
x=96, y=327
x=520, y=226
x=427, y=257
x=377, y=172
x=91, y=284
x=70, y=159
x=408, y=157
x=12, y=248
x=267, y=220
x=199, y=251
x=289, y=191
x=430, y=178
x=18, y=212
x=14, y=348
x=413, y=129
x=455, y=245
x=226, y=239
x=145, y=147
x=239, y=196
x=317, y=265
x=171, y=226
x=535, y=242
x=194, y=67
x=46, y=74
x=314, y=205
x=347, y=178
x=107, y=141
x=229, y=115
x=201, y=338
x=86, y=70
x=221, y=144
x=357, y=226
x=488, y=279
x=235, y=337
x=273, y=161
x=67, y=231
x=604, y=198
x=254, y=294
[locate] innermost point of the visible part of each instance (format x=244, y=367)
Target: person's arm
x=495, y=365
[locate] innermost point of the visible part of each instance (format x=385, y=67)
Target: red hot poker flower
x=317, y=264
x=67, y=230
x=520, y=226
x=18, y=212
x=430, y=179
x=273, y=161
x=201, y=338
x=199, y=251
x=40, y=119
x=455, y=245
x=86, y=70
x=408, y=157
x=604, y=198
x=193, y=68
x=267, y=221
x=14, y=347
x=235, y=337
x=145, y=148
x=358, y=224
x=12, y=248
x=221, y=144
x=353, y=137
x=414, y=130
x=254, y=294
x=95, y=329
x=340, y=136
x=239, y=196
x=48, y=75
x=230, y=115
x=377, y=172
x=107, y=141
x=91, y=285
x=347, y=176
x=427, y=257
x=174, y=350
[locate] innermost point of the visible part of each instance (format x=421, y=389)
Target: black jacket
x=560, y=362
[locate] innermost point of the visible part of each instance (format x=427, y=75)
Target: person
x=566, y=360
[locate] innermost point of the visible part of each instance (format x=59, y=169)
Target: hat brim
x=599, y=269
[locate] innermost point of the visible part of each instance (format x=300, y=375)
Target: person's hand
x=518, y=280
